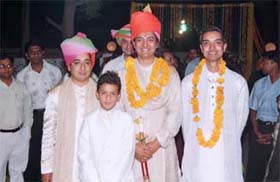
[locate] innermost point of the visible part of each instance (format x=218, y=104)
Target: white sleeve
x=174, y=116
x=58, y=76
x=243, y=106
x=87, y=168
x=28, y=112
x=49, y=133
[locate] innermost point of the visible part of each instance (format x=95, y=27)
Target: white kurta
x=106, y=147
x=222, y=162
x=161, y=119
x=116, y=64
x=50, y=123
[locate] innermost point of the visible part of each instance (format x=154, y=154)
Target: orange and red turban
x=141, y=22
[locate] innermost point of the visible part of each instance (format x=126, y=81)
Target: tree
x=85, y=10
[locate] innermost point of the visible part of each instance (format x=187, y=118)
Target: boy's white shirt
x=106, y=147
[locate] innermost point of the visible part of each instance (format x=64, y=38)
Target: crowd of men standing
x=41, y=114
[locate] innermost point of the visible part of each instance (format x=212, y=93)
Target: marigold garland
x=158, y=78
x=218, y=112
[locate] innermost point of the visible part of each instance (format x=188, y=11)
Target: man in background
x=16, y=121
x=39, y=77
x=123, y=37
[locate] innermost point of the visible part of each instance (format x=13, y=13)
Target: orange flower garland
x=218, y=112
x=153, y=89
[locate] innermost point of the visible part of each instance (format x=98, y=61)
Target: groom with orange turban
x=151, y=94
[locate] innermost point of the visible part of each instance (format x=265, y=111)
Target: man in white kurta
x=161, y=121
x=223, y=161
x=66, y=107
x=160, y=114
x=50, y=126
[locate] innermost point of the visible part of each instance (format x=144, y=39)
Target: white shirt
x=15, y=107
x=106, y=147
x=116, y=64
x=38, y=84
x=222, y=162
x=50, y=120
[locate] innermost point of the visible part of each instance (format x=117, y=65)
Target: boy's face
x=108, y=96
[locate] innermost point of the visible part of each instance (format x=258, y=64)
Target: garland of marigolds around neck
x=158, y=79
x=218, y=112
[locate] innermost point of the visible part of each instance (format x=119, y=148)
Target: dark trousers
x=258, y=154
x=33, y=170
x=274, y=166
x=179, y=140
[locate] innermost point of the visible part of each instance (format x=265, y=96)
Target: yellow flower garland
x=153, y=89
x=218, y=112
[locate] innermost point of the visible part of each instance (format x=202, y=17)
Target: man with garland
x=151, y=93
x=215, y=110
x=123, y=38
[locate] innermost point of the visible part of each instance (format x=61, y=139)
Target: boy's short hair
x=109, y=77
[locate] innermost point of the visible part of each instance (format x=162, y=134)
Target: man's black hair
x=211, y=29
x=33, y=43
x=5, y=56
x=110, y=77
x=273, y=56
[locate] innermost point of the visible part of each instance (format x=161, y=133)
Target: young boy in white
x=106, y=142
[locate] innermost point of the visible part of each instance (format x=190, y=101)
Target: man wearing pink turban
x=123, y=38
x=151, y=94
x=66, y=107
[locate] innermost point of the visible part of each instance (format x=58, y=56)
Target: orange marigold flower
x=218, y=112
x=196, y=118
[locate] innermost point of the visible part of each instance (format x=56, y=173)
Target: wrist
x=256, y=130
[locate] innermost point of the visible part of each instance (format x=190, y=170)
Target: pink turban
x=77, y=45
x=124, y=32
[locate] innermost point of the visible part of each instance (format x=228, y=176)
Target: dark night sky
x=114, y=15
